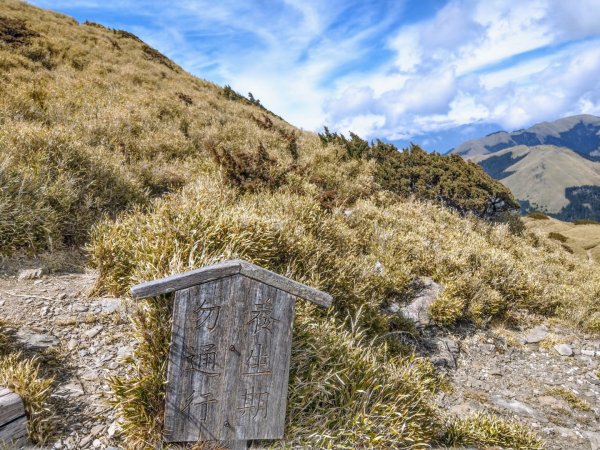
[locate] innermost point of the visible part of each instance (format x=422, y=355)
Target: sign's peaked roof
x=225, y=269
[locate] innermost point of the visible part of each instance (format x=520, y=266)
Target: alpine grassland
x=106, y=143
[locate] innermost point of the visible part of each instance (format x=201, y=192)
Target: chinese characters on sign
x=228, y=365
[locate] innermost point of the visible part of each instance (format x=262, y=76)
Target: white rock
x=113, y=429
x=72, y=344
x=594, y=438
x=90, y=375
x=564, y=349
x=587, y=352
x=92, y=333
x=97, y=443
x=109, y=305
x=418, y=309
x=515, y=406
x=535, y=334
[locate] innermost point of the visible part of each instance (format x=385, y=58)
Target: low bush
x=558, y=236
x=536, y=215
x=586, y=222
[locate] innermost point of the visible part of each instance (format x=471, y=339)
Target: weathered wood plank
x=11, y=407
x=229, y=362
x=226, y=269
x=13, y=423
x=285, y=284
x=185, y=280
x=14, y=434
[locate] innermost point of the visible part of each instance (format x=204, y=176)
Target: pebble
x=72, y=344
x=93, y=332
x=96, y=430
x=85, y=441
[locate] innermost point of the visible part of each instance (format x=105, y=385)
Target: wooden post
x=229, y=359
x=13, y=422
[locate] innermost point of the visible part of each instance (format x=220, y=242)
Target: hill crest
x=581, y=133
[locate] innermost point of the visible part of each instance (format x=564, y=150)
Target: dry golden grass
x=22, y=375
x=583, y=238
x=177, y=173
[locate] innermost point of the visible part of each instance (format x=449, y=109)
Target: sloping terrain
x=541, y=176
x=551, y=167
x=106, y=143
x=581, y=238
x=579, y=133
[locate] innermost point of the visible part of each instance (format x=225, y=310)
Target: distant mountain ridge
x=579, y=133
x=552, y=167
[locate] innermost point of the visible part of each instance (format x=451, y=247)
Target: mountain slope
x=105, y=142
x=94, y=122
x=541, y=176
x=579, y=133
x=551, y=167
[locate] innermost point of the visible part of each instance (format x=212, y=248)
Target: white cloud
x=477, y=61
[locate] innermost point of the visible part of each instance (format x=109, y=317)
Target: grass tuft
x=22, y=376
x=483, y=429
x=570, y=397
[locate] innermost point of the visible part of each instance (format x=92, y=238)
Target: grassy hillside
x=541, y=176
x=582, y=238
x=105, y=142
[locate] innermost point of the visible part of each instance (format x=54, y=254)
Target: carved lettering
x=207, y=315
x=204, y=404
x=254, y=402
x=258, y=362
x=203, y=360
x=261, y=317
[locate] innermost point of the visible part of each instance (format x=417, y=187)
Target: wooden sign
x=230, y=351
x=13, y=422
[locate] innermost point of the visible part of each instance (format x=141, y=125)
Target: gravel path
x=504, y=372
x=81, y=341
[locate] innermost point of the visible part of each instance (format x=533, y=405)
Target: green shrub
x=536, y=215
x=586, y=222
x=557, y=236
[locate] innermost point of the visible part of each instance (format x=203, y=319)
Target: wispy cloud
x=393, y=69
x=480, y=61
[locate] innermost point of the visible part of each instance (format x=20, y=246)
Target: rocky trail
x=545, y=377
x=81, y=341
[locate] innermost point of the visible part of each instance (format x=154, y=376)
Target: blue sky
x=434, y=72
